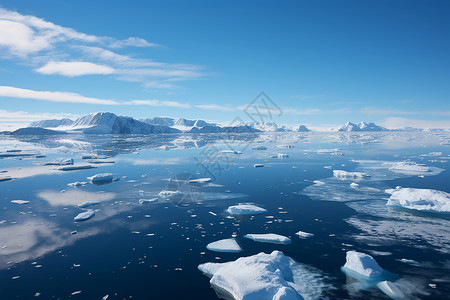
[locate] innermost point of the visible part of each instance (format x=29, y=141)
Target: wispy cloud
x=55, y=50
x=380, y=111
x=398, y=122
x=215, y=107
x=73, y=68
x=67, y=97
x=158, y=103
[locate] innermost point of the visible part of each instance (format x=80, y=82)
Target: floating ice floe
x=407, y=167
x=282, y=155
x=20, y=201
x=245, y=209
x=420, y=199
x=84, y=216
x=344, y=175
x=225, y=245
x=87, y=204
x=264, y=276
x=60, y=162
x=258, y=165
x=200, y=180
x=101, y=178
x=77, y=183
x=363, y=264
x=304, y=234
x=269, y=238
x=74, y=168
x=144, y=201
x=167, y=194
x=259, y=148
x=354, y=185
x=318, y=182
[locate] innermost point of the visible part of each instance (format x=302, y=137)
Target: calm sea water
x=151, y=251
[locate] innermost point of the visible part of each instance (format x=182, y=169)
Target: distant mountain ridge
x=362, y=126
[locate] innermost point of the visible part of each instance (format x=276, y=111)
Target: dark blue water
x=151, y=251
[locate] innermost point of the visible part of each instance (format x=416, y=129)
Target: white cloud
x=159, y=103
x=398, y=122
x=215, y=107
x=73, y=68
x=378, y=111
x=53, y=49
x=23, y=116
x=13, y=92
x=133, y=42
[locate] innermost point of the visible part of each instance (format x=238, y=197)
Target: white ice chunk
x=200, y=180
x=101, y=178
x=269, y=238
x=60, y=162
x=420, y=199
x=167, y=194
x=304, y=234
x=258, y=165
x=245, y=209
x=84, y=216
x=87, y=204
x=363, y=264
x=20, y=201
x=257, y=277
x=344, y=175
x=354, y=185
x=318, y=182
x=282, y=155
x=77, y=183
x=144, y=201
x=75, y=168
x=225, y=245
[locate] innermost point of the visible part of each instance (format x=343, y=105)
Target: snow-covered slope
x=161, y=121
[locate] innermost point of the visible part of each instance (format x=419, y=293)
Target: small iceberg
x=144, y=201
x=269, y=238
x=344, y=175
x=304, y=234
x=363, y=264
x=84, y=216
x=245, y=209
x=167, y=194
x=87, y=204
x=264, y=276
x=20, y=201
x=200, y=180
x=282, y=155
x=75, y=168
x=77, y=183
x=101, y=178
x=420, y=199
x=258, y=165
x=225, y=245
x=60, y=162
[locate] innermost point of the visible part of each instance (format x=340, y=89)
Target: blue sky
x=322, y=62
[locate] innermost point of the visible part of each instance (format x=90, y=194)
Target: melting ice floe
x=407, y=167
x=304, y=234
x=101, y=178
x=245, y=209
x=269, y=238
x=225, y=245
x=84, y=216
x=265, y=276
x=368, y=274
x=344, y=175
x=420, y=199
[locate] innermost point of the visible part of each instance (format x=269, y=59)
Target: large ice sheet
x=265, y=276
x=420, y=199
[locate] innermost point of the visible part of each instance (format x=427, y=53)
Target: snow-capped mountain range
x=110, y=123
